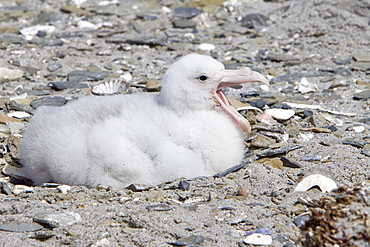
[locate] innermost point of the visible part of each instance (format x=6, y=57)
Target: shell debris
x=110, y=87
x=324, y=183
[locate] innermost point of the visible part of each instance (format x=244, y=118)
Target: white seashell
x=333, y=120
x=302, y=106
x=87, y=25
x=206, y=47
x=109, y=87
x=265, y=88
x=358, y=129
x=13, y=171
x=19, y=114
x=305, y=87
x=64, y=188
x=280, y=114
x=22, y=188
x=324, y=183
x=258, y=239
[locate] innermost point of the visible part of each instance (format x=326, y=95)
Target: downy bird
x=190, y=129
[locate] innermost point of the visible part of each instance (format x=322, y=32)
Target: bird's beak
x=230, y=78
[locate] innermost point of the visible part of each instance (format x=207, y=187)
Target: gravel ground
x=315, y=53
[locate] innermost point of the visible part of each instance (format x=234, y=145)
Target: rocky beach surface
x=305, y=180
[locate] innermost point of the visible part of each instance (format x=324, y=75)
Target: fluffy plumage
x=139, y=138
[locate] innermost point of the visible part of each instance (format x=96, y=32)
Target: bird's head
x=195, y=82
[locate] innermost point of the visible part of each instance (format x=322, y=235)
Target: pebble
x=275, y=152
x=262, y=141
x=57, y=219
x=290, y=162
x=312, y=157
x=358, y=143
x=301, y=220
x=54, y=67
x=62, y=85
x=280, y=114
x=231, y=169
x=159, y=207
x=303, y=86
x=254, y=20
x=20, y=227
x=185, y=12
x=206, y=47
x=10, y=74
x=324, y=183
x=366, y=150
x=184, y=185
x=192, y=240
x=82, y=75
x=33, y=30
x=362, y=95
x=48, y=101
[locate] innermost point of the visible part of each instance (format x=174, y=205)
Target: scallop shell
x=110, y=87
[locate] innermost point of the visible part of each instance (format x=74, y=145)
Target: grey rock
x=301, y=220
x=5, y=188
x=15, y=127
x=362, y=57
x=262, y=141
x=275, y=152
x=61, y=85
x=13, y=39
x=43, y=235
x=312, y=157
x=83, y=75
x=362, y=95
x=185, y=12
x=366, y=150
x=56, y=219
x=255, y=21
x=20, y=227
x=290, y=162
x=184, y=24
x=190, y=240
x=46, y=41
x=48, y=101
x=231, y=169
x=4, y=129
x=10, y=74
x=184, y=185
x=54, y=67
x=358, y=143
x=14, y=106
x=159, y=207
x=138, y=187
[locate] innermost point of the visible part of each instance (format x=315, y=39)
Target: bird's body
x=137, y=138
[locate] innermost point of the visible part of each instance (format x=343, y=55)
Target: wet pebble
x=20, y=227
x=57, y=219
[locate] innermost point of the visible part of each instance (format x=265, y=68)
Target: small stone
x=20, y=227
x=254, y=20
x=280, y=114
x=275, y=162
x=57, y=219
x=184, y=24
x=54, y=67
x=10, y=74
x=138, y=187
x=62, y=85
x=242, y=191
x=190, y=240
x=184, y=185
x=48, y=101
x=262, y=141
x=312, y=157
x=366, y=150
x=206, y=47
x=153, y=85
x=231, y=169
x=301, y=220
x=43, y=235
x=358, y=143
x=185, y=12
x=5, y=118
x=279, y=151
x=290, y=163
x=159, y=207
x=303, y=86
x=356, y=128
x=362, y=95
x=15, y=127
x=317, y=120
x=46, y=41
x=81, y=75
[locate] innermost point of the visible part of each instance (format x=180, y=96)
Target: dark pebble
x=41, y=34
x=82, y=75
x=290, y=163
x=20, y=227
x=255, y=21
x=231, y=169
x=307, y=113
x=54, y=67
x=343, y=61
x=184, y=185
x=301, y=220
x=358, y=143
x=159, y=207
x=185, y=12
x=13, y=39
x=362, y=95
x=62, y=85
x=160, y=39
x=48, y=101
x=5, y=188
x=138, y=187
x=147, y=17
x=190, y=240
x=259, y=103
x=275, y=152
x=14, y=106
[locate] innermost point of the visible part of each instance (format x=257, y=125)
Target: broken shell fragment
x=109, y=87
x=280, y=114
x=258, y=237
x=324, y=183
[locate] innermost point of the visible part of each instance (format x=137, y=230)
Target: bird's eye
x=202, y=78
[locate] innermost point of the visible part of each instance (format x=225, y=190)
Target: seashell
x=305, y=87
x=109, y=87
x=280, y=114
x=206, y=47
x=258, y=237
x=19, y=114
x=324, y=183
